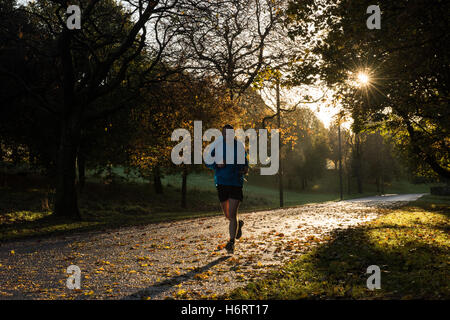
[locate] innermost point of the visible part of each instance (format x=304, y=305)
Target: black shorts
x=229, y=192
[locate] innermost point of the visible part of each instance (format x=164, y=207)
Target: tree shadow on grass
x=413, y=259
x=169, y=283
x=409, y=268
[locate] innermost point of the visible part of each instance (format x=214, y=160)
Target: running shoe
x=239, y=232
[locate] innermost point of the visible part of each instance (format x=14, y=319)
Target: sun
x=363, y=78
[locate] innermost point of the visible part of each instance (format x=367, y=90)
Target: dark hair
x=227, y=126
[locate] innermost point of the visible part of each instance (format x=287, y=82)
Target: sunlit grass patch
x=410, y=245
x=22, y=216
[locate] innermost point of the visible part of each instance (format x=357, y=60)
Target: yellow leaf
x=181, y=292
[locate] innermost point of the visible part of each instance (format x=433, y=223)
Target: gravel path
x=180, y=259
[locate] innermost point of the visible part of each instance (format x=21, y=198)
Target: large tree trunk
x=66, y=202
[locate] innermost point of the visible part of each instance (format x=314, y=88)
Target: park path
x=181, y=259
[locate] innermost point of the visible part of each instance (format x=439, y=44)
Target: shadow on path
x=167, y=284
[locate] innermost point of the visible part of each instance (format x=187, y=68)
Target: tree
x=378, y=157
x=305, y=147
x=406, y=61
x=111, y=51
x=25, y=125
x=231, y=40
x=170, y=105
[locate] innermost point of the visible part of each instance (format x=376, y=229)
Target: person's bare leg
x=225, y=208
x=232, y=216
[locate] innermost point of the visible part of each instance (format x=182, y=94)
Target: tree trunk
x=358, y=164
x=3, y=174
x=66, y=202
x=280, y=167
x=378, y=185
x=341, y=187
x=349, y=181
x=81, y=161
x=428, y=157
x=157, y=184
x=184, y=188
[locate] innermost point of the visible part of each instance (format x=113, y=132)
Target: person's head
x=224, y=130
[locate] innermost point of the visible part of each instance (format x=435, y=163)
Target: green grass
x=25, y=207
x=23, y=215
x=411, y=245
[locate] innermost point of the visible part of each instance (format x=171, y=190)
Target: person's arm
x=211, y=166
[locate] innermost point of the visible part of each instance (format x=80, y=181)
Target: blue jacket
x=229, y=175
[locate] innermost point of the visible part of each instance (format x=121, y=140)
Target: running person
x=229, y=179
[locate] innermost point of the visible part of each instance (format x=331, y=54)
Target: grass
x=23, y=215
x=411, y=245
x=25, y=206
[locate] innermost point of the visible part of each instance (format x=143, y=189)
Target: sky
x=323, y=109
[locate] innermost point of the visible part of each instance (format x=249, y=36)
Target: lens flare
x=363, y=78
